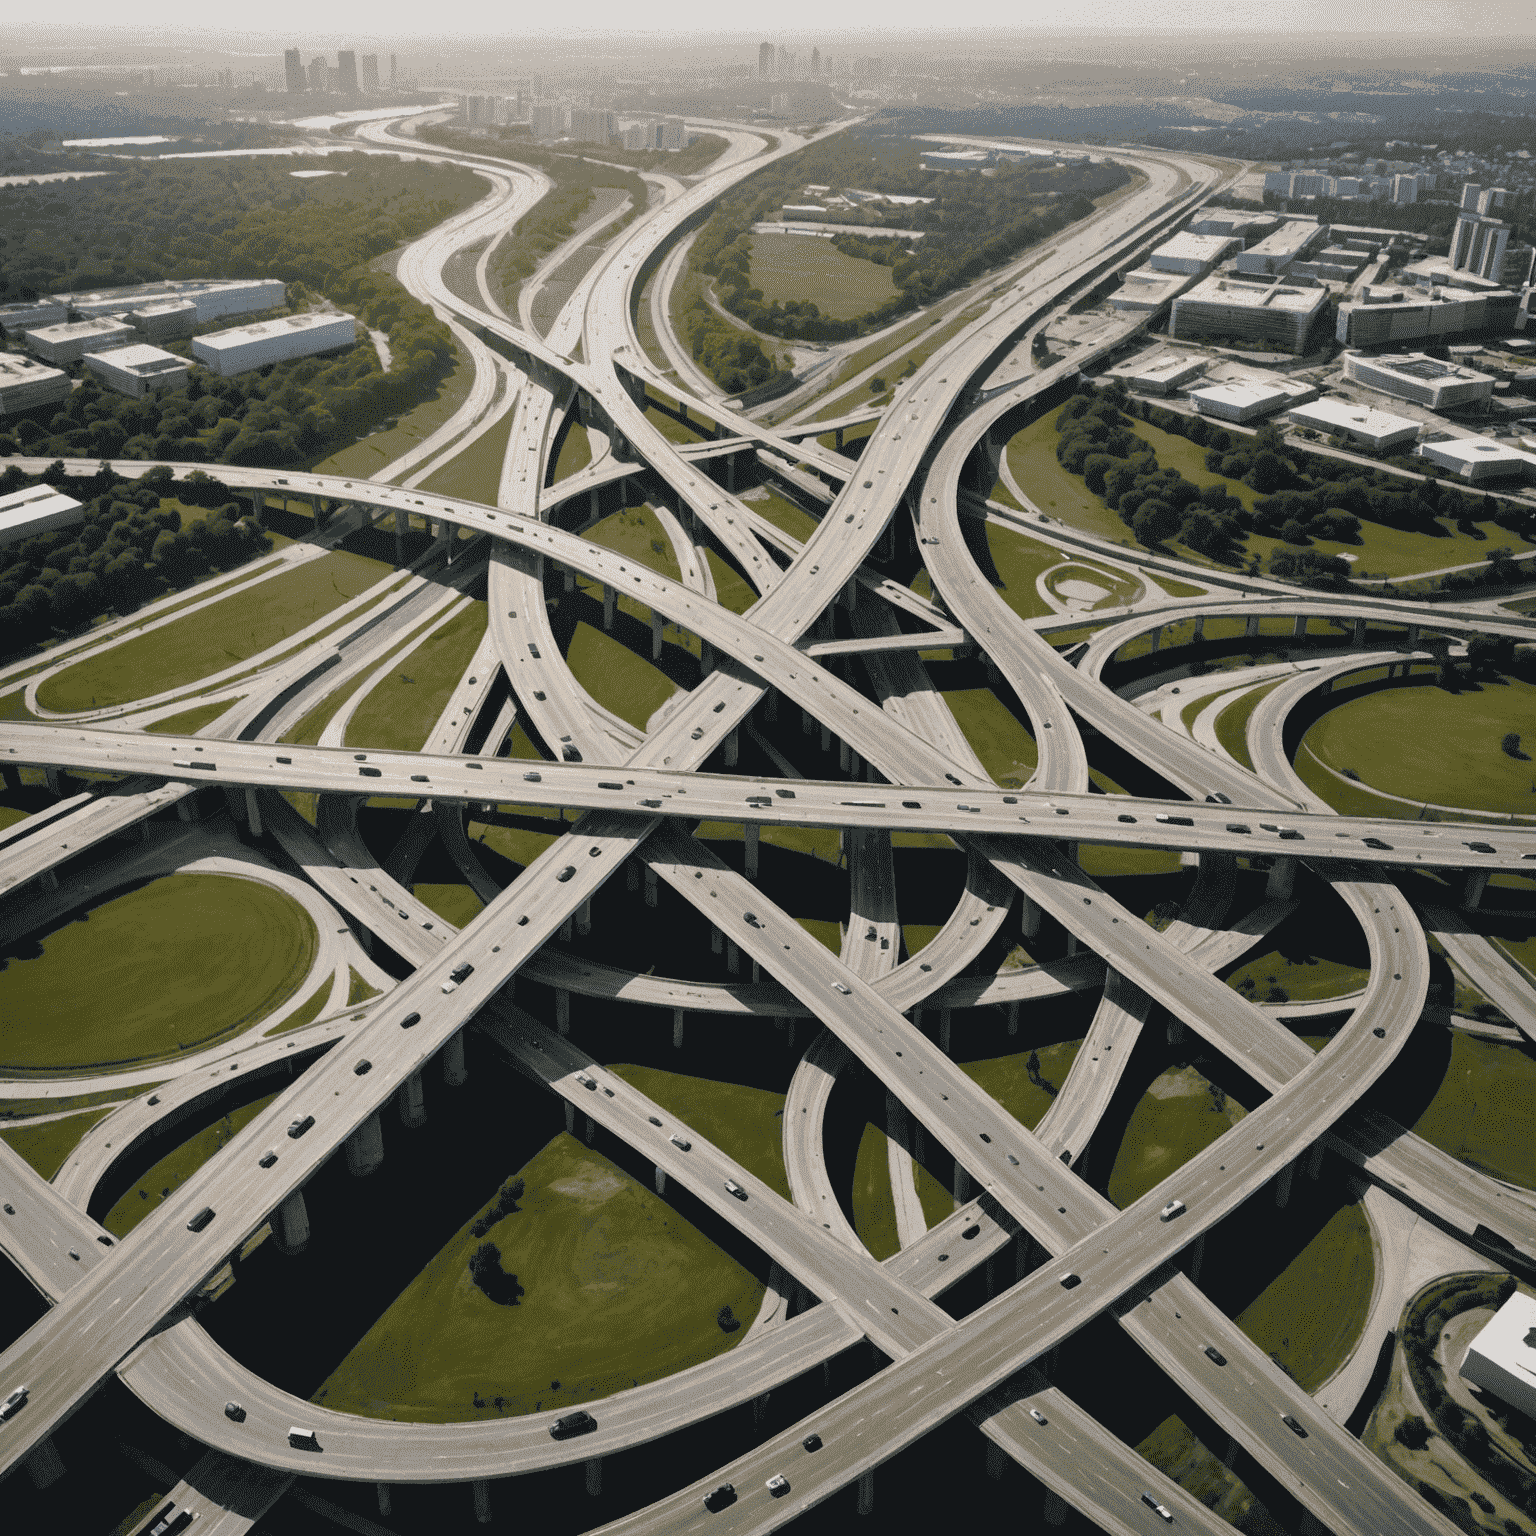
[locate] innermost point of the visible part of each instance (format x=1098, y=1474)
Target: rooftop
x=1353, y=418
x=1195, y=247
x=141, y=359
x=1281, y=296
x=259, y=330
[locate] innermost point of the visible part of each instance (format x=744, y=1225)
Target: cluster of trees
x=504, y=1204
x=1302, y=497
x=972, y=224
x=1421, y=1335
x=496, y=1284
x=735, y=359
x=130, y=549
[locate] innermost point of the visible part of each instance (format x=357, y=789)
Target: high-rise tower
x=764, y=60
x=293, y=69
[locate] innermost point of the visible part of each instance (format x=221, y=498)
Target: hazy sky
x=402, y=18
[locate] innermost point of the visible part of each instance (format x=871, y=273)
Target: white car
x=777, y=1485
x=1169, y=1211
x=1038, y=1417
x=450, y=985
x=837, y=986
x=14, y=1403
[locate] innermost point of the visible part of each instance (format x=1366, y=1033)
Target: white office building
x=1275, y=252
x=1385, y=315
x=1145, y=291
x=245, y=347
x=164, y=319
x=1240, y=401
x=1502, y=1358
x=1190, y=253
x=1163, y=373
x=1476, y=459
x=37, y=509
x=31, y=315
x=139, y=370
x=25, y=383
x=1375, y=429
x=69, y=342
x=1424, y=380
x=1270, y=316
x=214, y=297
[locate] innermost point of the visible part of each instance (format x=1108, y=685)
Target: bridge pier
x=946, y=1022
x=1299, y=628
x=660, y=1179
x=1231, y=1453
x=567, y=929
x=45, y=1466
x=1472, y=891
x=365, y=1148
x=826, y=738
x=1251, y=628
x=1199, y=626
x=1175, y=1030
x=1029, y=917
x=1282, y=880
x=732, y=957
x=454, y=1071
x=253, y=812
x=961, y=1186
x=51, y=779
x=650, y=886
x=1157, y=639
x=866, y=1504
x=1196, y=1258
x=753, y=834
x=590, y=1129
x=386, y=1499
x=584, y=918
x=1358, y=638
x=562, y=1010
x=482, y=1501
x=656, y=628
x=293, y=1224
x=732, y=747
x=706, y=657
x=567, y=579
x=1283, y=1186
x=716, y=941
x=594, y=1476
x=608, y=601
x=412, y=1102
x=678, y=1017
x=807, y=722
x=730, y=473
x=402, y=522
x=570, y=1119
x=1013, y=1017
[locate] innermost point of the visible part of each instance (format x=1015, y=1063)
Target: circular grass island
x=166, y=967
x=1426, y=744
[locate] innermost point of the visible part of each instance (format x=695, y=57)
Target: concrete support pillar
x=842, y=756
x=661, y=1180
x=807, y=722
x=45, y=1466
x=991, y=1276
x=855, y=763
x=293, y=1224
x=1199, y=626
x=567, y=930
x=591, y=1129
x=1230, y=1455
x=562, y=1010
x=706, y=657
x=412, y=1101
x=1055, y=1510
x=837, y=437
x=866, y=1505
x=365, y=1148
x=1413, y=638
x=1472, y=891
x=946, y=1022
x=732, y=748
x=1029, y=917
x=570, y=1119
x=771, y=704
x=454, y=1072
x=1282, y=880
x=1283, y=1186
x=253, y=812
x=1157, y=639
x=386, y=1499
x=568, y=580
x=997, y=1460
x=1013, y=1018
x=716, y=941
x=50, y=879
x=656, y=627
x=51, y=779
x=1021, y=1256
x=732, y=958
x=730, y=473
x=650, y=886
x=1299, y=629
x=678, y=1017
x=401, y=525
x=594, y=1476
x=584, y=918
x=482, y=1501
x=1175, y=1030
x=608, y=601
x=631, y=876
x=595, y=504
x=1251, y=628
x=961, y=1188
x=1315, y=1160
x=1196, y=1258
x=1072, y=945
x=826, y=738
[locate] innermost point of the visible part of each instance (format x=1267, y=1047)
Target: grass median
x=401, y=710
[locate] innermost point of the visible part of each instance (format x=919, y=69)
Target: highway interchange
x=639, y=793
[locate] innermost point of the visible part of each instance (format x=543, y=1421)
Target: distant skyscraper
x=293, y=69
x=764, y=60
x=392, y=72
x=370, y=67
x=346, y=72
x=815, y=63
x=781, y=63
x=319, y=73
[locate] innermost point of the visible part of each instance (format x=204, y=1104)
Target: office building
x=346, y=72
x=1187, y=252
x=1405, y=189
x=29, y=314
x=671, y=134
x=394, y=72
x=25, y=383
x=1476, y=459
x=1385, y=315
x=164, y=319
x=1163, y=373
x=139, y=370
x=592, y=125
x=639, y=136
x=37, y=509
x=1502, y=1358
x=1479, y=240
x=1145, y=291
x=815, y=63
x=1229, y=221
x=369, y=64
x=765, y=61
x=319, y=75
x=244, y=347
x=1424, y=380
x=1249, y=399
x=1267, y=315
x=1374, y=429
x=549, y=119
x=214, y=297
x=69, y=342
x=781, y=68
x=1272, y=255
x=293, y=72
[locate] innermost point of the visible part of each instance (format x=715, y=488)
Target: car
x=1038, y=1417
x=681, y=1143
x=1162, y=1509
x=751, y=919
x=420, y=778
x=777, y=1485
x=1214, y=1355
x=450, y=986
x=371, y=773
x=759, y=801
x=1481, y=847
x=578, y=1423
x=696, y=732
x=461, y=971
x=569, y=754
x=533, y=651
x=1289, y=834
x=1124, y=817
x=201, y=1220
x=733, y=1188
x=298, y=1127
x=267, y=1159
x=234, y=1411
x=1070, y=1282
x=1217, y=798
x=608, y=784
x=1175, y=821
x=1291, y=1424
x=285, y=759
x=1374, y=842
x=585, y=1081
x=172, y=1524
x=1240, y=826
x=14, y=1403
x=720, y=1498
x=303, y=1439
x=363, y=1067
x=1172, y=1209
x=812, y=1442
x=566, y=873
x=410, y=1021
x=1012, y=1159
x=533, y=778
x=837, y=986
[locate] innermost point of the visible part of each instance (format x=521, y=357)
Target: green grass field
x=637, y=534
x=1180, y=1114
x=46, y=1146
x=1312, y=1341
x=1020, y=561
x=474, y=472
x=216, y=637
x=1485, y=1110
x=1381, y=737
x=1007, y=1079
x=1232, y=722
x=618, y=679
x=618, y=1290
x=172, y=966
x=806, y=267
x=780, y=511
x=1006, y=749
x=176, y=1167
x=404, y=707
x=1305, y=977
x=874, y=1211
x=575, y=452
x=190, y=721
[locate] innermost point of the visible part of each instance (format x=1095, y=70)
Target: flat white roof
x=34, y=504
x=139, y=359
x=1198, y=247
x=15, y=367
x=1238, y=295
x=1243, y=392
x=1169, y=365
x=69, y=329
x=259, y=330
x=1353, y=418
x=163, y=306
x=1291, y=236
x=1420, y=368
x=1479, y=450
x=1509, y=1338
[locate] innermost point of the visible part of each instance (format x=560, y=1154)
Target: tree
x=1268, y=473
x=1510, y=746
x=727, y=1320
x=1412, y=1432
x=488, y=1275
x=1155, y=521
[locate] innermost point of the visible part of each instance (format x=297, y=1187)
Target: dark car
x=1481, y=847
x=201, y=1220
x=234, y=1411
x=812, y=1442
x=1239, y=826
x=1214, y=1355
x=1123, y=817
x=1374, y=842
x=298, y=1127
x=1292, y=1425
x=578, y=1423
x=720, y=1498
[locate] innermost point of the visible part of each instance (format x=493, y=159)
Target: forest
x=130, y=549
